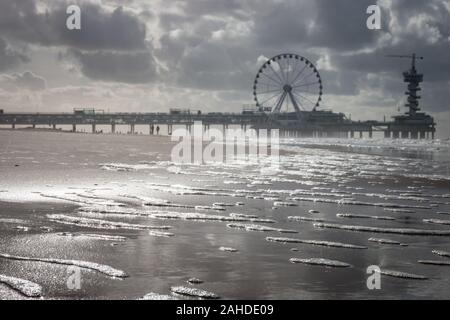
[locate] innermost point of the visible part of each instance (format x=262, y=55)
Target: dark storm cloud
x=339, y=24
x=9, y=58
x=216, y=45
x=119, y=30
x=110, y=46
x=129, y=67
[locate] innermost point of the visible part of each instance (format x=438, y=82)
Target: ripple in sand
x=441, y=253
x=387, y=241
x=402, y=275
x=194, y=292
x=313, y=211
x=92, y=236
x=316, y=242
x=321, y=262
x=110, y=271
x=404, y=231
x=100, y=224
x=363, y=216
x=25, y=287
x=228, y=249
x=255, y=227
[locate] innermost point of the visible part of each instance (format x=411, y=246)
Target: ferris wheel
x=287, y=81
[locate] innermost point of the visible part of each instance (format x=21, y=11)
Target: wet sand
x=118, y=201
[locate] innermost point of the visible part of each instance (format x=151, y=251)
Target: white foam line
x=387, y=241
x=228, y=249
x=441, y=253
x=402, y=275
x=25, y=287
x=316, y=243
x=363, y=216
x=110, y=271
x=361, y=203
x=321, y=262
x=157, y=296
x=100, y=224
x=298, y=218
x=92, y=236
x=435, y=262
x=194, y=292
x=255, y=227
x=404, y=231
x=437, y=221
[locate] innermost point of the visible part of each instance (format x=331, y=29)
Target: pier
x=307, y=120
x=314, y=124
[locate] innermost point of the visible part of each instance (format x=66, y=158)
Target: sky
x=153, y=55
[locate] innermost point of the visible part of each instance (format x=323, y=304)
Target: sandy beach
x=115, y=212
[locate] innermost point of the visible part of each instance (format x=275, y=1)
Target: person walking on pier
x=157, y=130
x=152, y=129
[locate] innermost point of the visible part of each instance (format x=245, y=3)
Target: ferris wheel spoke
x=275, y=95
x=281, y=80
x=303, y=97
x=296, y=77
x=303, y=78
x=288, y=70
x=270, y=91
x=279, y=103
x=295, y=67
x=296, y=102
x=280, y=83
x=304, y=85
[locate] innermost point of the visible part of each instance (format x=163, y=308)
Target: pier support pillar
x=422, y=135
x=93, y=128
x=370, y=134
x=387, y=134
x=132, y=128
x=54, y=126
x=34, y=126
x=113, y=128
x=74, y=127
x=13, y=126
x=395, y=134
x=360, y=134
x=405, y=134
x=352, y=134
x=414, y=134
x=432, y=135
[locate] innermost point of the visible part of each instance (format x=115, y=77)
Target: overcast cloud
x=148, y=56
